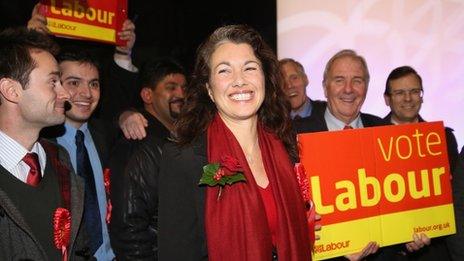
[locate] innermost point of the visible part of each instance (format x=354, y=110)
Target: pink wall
x=425, y=34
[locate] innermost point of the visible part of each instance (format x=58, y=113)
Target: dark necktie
x=34, y=176
x=91, y=210
x=347, y=127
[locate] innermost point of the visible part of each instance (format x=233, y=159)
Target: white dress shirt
x=334, y=124
x=12, y=154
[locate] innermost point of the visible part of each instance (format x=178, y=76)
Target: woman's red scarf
x=236, y=224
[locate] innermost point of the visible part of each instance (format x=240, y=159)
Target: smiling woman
x=237, y=82
x=234, y=107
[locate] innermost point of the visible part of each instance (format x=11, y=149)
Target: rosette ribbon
x=107, y=183
x=306, y=194
x=62, y=231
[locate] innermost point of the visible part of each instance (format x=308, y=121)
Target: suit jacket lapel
x=387, y=118
x=77, y=208
x=365, y=121
x=99, y=139
x=10, y=208
x=199, y=160
x=318, y=124
x=73, y=190
x=313, y=123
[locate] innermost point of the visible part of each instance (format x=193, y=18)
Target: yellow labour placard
x=378, y=184
x=94, y=20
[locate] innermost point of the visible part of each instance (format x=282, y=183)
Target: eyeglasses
x=414, y=93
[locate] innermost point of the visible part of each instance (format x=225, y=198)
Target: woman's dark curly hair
x=199, y=110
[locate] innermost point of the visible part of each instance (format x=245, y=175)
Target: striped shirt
x=12, y=154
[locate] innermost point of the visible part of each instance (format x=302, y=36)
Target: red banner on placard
x=372, y=180
x=86, y=19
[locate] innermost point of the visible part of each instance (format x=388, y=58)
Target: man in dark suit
x=294, y=88
x=37, y=185
x=454, y=242
x=135, y=163
x=87, y=140
x=404, y=95
x=345, y=83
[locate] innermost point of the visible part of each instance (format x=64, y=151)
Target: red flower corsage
x=227, y=171
x=107, y=183
x=62, y=231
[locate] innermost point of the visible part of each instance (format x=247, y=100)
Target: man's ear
x=324, y=87
x=387, y=99
x=210, y=93
x=147, y=95
x=9, y=89
x=305, y=80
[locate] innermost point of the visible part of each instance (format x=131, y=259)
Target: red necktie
x=347, y=127
x=34, y=176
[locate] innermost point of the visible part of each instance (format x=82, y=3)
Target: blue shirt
x=68, y=141
x=304, y=111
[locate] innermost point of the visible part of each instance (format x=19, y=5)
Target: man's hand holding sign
x=82, y=19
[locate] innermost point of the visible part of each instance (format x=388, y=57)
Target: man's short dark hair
x=154, y=71
x=16, y=45
x=399, y=73
x=79, y=55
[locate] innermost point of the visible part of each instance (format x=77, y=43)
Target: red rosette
x=109, y=208
x=303, y=182
x=106, y=180
x=304, y=189
x=62, y=230
x=107, y=183
x=311, y=219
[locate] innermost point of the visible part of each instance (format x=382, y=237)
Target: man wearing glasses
x=404, y=95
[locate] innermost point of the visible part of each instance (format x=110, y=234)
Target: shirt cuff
x=125, y=64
